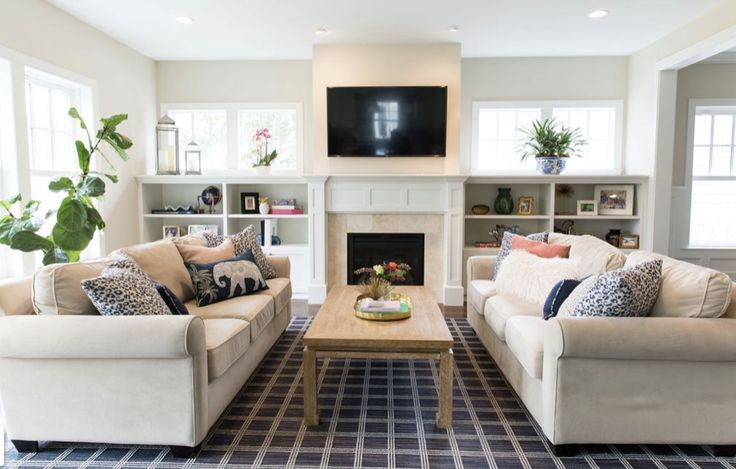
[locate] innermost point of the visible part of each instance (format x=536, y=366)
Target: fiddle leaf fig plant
x=77, y=218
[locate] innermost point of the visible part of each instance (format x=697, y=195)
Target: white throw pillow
x=530, y=278
x=687, y=290
x=592, y=255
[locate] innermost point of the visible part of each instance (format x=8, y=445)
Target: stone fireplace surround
x=432, y=205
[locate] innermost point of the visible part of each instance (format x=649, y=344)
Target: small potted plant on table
x=551, y=143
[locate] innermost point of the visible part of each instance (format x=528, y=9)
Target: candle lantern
x=193, y=159
x=167, y=146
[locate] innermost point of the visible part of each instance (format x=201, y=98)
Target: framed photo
x=249, y=202
x=587, y=207
x=171, y=231
x=615, y=200
x=526, y=205
x=194, y=229
x=628, y=241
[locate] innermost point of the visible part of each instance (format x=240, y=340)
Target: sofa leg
x=185, y=452
x=25, y=446
x=724, y=451
x=563, y=451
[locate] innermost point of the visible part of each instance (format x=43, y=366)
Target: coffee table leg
x=444, y=416
x=311, y=411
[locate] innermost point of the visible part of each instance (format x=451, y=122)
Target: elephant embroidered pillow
x=244, y=241
x=219, y=281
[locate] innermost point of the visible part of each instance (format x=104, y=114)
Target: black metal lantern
x=167, y=146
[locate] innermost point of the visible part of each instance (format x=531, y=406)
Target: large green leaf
x=30, y=208
x=61, y=183
x=94, y=218
x=83, y=156
x=27, y=241
x=121, y=140
x=8, y=203
x=55, y=256
x=75, y=114
x=6, y=229
x=113, y=121
x=93, y=187
x=114, y=145
x=71, y=215
x=72, y=240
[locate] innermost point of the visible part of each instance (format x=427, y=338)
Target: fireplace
x=369, y=249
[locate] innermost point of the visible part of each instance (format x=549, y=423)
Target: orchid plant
x=261, y=138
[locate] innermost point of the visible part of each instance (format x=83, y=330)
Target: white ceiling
x=278, y=29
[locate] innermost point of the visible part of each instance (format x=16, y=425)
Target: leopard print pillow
x=244, y=241
x=120, y=292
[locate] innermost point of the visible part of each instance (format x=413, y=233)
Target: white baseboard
x=454, y=295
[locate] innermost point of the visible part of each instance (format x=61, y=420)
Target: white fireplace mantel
x=393, y=194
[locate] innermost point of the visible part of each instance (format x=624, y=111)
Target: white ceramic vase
x=264, y=208
x=262, y=170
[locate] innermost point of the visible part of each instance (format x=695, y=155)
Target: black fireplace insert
x=369, y=249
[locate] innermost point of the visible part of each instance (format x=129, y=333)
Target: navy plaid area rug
x=375, y=413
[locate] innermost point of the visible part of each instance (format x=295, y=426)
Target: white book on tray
x=370, y=305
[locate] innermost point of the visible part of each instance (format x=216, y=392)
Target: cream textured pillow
x=194, y=254
x=592, y=255
x=163, y=263
x=688, y=290
x=530, y=278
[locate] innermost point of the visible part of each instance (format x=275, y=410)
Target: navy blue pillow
x=557, y=296
x=172, y=301
x=221, y=280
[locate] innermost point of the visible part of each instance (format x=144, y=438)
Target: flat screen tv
x=387, y=121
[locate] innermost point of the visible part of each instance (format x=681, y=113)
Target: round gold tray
x=383, y=316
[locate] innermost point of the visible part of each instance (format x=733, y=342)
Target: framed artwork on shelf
x=249, y=203
x=526, y=205
x=628, y=241
x=615, y=200
x=587, y=207
x=194, y=229
x=171, y=231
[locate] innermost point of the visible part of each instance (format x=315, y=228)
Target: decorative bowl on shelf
x=403, y=313
x=480, y=209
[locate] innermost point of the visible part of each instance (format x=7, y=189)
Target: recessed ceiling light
x=320, y=31
x=184, y=20
x=454, y=28
x=597, y=14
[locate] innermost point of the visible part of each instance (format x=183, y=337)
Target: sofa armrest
x=481, y=267
x=15, y=296
x=667, y=339
x=281, y=265
x=115, y=337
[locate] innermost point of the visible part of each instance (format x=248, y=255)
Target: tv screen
x=387, y=121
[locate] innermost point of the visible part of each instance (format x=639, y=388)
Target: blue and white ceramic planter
x=550, y=164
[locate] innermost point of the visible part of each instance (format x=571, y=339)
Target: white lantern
x=193, y=159
x=167, y=146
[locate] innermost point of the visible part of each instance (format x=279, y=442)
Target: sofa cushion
x=258, y=310
x=499, y=309
x=227, y=340
x=540, y=249
x=505, y=248
x=196, y=254
x=592, y=255
x=530, y=278
x=280, y=290
x=243, y=241
x=688, y=290
x=57, y=288
x=162, y=262
x=479, y=291
x=525, y=338
x=229, y=278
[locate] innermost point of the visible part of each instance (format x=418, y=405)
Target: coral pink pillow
x=539, y=248
x=203, y=255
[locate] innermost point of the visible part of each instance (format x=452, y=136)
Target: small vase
x=262, y=170
x=264, y=208
x=504, y=203
x=613, y=237
x=551, y=165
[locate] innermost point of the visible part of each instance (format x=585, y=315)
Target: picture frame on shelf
x=249, y=202
x=615, y=199
x=194, y=229
x=171, y=231
x=587, y=208
x=526, y=205
x=629, y=241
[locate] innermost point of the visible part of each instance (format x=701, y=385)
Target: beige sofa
x=650, y=380
x=69, y=374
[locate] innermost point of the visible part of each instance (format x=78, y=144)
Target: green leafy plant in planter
x=550, y=143
x=77, y=219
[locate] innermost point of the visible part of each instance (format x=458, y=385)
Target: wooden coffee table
x=336, y=332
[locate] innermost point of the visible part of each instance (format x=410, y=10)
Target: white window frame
x=546, y=108
x=18, y=171
x=693, y=106
x=233, y=142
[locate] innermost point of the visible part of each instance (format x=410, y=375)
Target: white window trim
x=546, y=107
x=233, y=144
x=693, y=105
x=20, y=167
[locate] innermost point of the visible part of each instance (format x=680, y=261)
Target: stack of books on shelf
x=286, y=207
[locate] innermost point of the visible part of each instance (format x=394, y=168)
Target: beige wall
x=125, y=82
x=386, y=65
x=699, y=81
x=538, y=78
